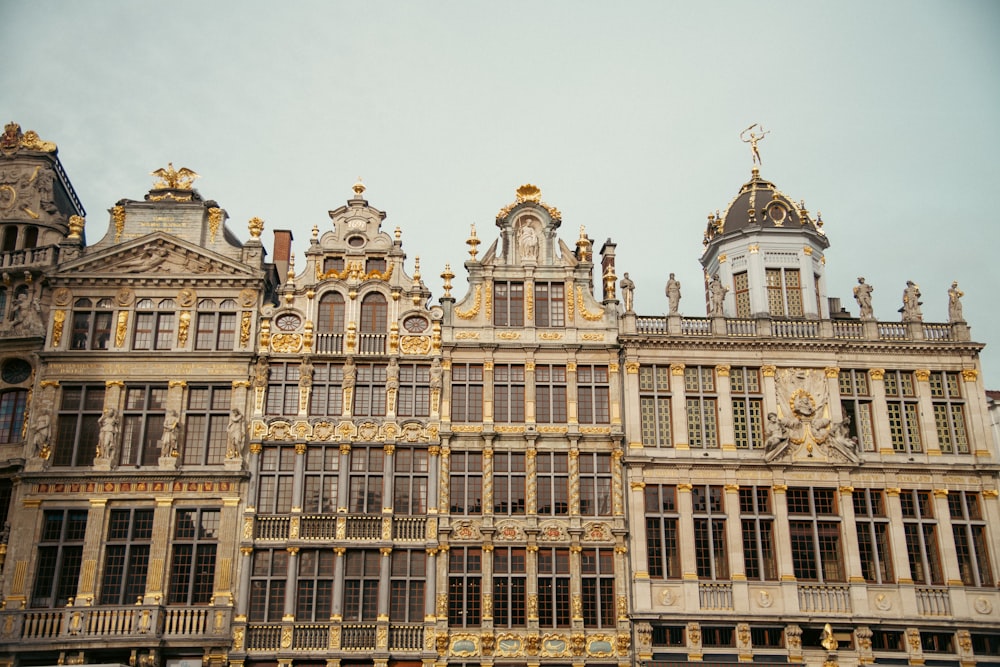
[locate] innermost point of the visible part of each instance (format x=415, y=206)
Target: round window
x=415, y=324
x=287, y=322
x=15, y=371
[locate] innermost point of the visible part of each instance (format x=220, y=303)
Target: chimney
x=282, y=251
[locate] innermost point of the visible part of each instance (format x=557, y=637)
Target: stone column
x=926, y=412
x=383, y=583
x=531, y=556
x=883, y=437
x=229, y=536
x=734, y=545
x=529, y=390
x=572, y=394
x=783, y=546
x=852, y=555
x=86, y=591
x=946, y=538
x=617, y=482
x=574, y=478
x=446, y=390
x=430, y=587
x=531, y=482
x=723, y=389
x=344, y=479
x=642, y=586
x=833, y=390
x=243, y=594
x=158, y=549
x=678, y=407
x=290, y=574
x=630, y=398
x=487, y=584
x=615, y=392
x=488, y=392
x=768, y=372
x=387, y=472
x=980, y=436
x=689, y=565
x=337, y=613
x=576, y=585
x=488, y=476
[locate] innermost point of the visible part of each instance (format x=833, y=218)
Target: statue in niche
x=628, y=292
x=717, y=296
x=527, y=241
x=955, y=303
x=26, y=315
x=863, y=295
x=350, y=374
x=911, y=303
x=236, y=434
x=171, y=435
x=260, y=372
x=436, y=373
x=305, y=373
x=107, y=434
x=673, y=294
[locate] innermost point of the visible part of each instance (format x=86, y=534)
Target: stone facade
x=212, y=458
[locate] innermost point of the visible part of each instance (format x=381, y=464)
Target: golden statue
x=827, y=639
x=752, y=139
x=173, y=179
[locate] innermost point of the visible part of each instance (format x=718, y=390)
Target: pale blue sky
x=884, y=116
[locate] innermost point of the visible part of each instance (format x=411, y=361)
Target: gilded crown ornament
x=12, y=140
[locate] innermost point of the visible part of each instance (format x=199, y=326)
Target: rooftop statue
x=748, y=136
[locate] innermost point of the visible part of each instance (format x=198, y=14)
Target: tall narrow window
x=971, y=540
x=467, y=393
x=154, y=327
x=550, y=304
x=784, y=292
x=367, y=467
x=509, y=587
x=553, y=483
x=598, y=586
x=142, y=424
x=741, y=291
x=409, y=483
x=748, y=407
x=314, y=585
x=553, y=588
x=76, y=440
x=283, y=389
x=814, y=525
x=12, y=408
x=595, y=484
x=712, y=558
x=873, y=535
x=374, y=313
x=465, y=567
x=330, y=313
x=369, y=391
x=60, y=552
x=508, y=483
x=216, y=328
x=466, y=485
x=321, y=479
x=408, y=570
x=593, y=394
x=126, y=556
x=508, y=304
x=327, y=396
x=414, y=399
x=550, y=394
x=757, y=522
x=949, y=413
x=361, y=580
x=702, y=407
x=276, y=480
x=654, y=405
x=205, y=422
x=901, y=403
x=662, y=545
x=91, y=328
x=856, y=402
x=268, y=579
x=920, y=532
x=508, y=393
x=192, y=565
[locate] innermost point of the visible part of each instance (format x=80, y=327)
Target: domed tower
x=768, y=252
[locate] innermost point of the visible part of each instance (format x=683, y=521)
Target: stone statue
x=237, y=433
x=107, y=434
x=436, y=373
x=41, y=430
x=26, y=316
x=306, y=373
x=717, y=295
x=628, y=292
x=863, y=295
x=911, y=303
x=775, y=431
x=171, y=434
x=260, y=372
x=827, y=639
x=350, y=374
x=673, y=294
x=147, y=260
x=392, y=375
x=955, y=303
x=527, y=242
x=752, y=139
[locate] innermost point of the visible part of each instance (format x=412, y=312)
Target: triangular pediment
x=156, y=255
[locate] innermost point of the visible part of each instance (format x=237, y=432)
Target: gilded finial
x=416, y=270
x=447, y=276
x=169, y=178
x=529, y=192
x=12, y=140
x=315, y=231
x=359, y=187
x=473, y=242
x=291, y=269
x=256, y=227
x=398, y=233
x=76, y=224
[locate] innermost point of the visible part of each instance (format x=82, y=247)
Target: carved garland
x=586, y=314
x=477, y=301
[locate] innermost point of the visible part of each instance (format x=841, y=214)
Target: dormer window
x=508, y=304
x=784, y=292
x=374, y=313
x=375, y=265
x=333, y=264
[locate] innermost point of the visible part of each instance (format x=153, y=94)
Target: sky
x=883, y=116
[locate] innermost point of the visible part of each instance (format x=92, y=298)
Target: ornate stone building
x=208, y=458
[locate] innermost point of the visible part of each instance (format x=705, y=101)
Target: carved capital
x=722, y=370
x=876, y=373
x=677, y=369
x=922, y=374
x=768, y=370
x=832, y=372
x=970, y=374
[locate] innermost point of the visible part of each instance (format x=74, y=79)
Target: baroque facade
x=212, y=457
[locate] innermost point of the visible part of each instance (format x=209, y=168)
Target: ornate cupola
x=767, y=251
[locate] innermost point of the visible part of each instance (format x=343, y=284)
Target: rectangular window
x=268, y=579
x=192, y=564
x=550, y=304
x=465, y=580
x=205, y=421
x=466, y=484
x=598, y=587
x=126, y=556
x=901, y=402
x=508, y=393
x=321, y=479
x=553, y=483
x=409, y=484
x=748, y=407
x=60, y=552
x=414, y=398
x=553, y=588
x=509, y=587
x=467, y=393
x=13, y=405
x=741, y=291
x=509, y=483
x=949, y=413
x=711, y=556
x=815, y=535
x=873, y=535
x=784, y=292
x=595, y=484
x=920, y=532
x=856, y=402
x=702, y=406
x=365, y=492
x=508, y=304
x=654, y=405
x=550, y=394
x=91, y=330
x=406, y=585
x=593, y=394
x=369, y=392
x=142, y=424
x=361, y=579
x=662, y=544
x=314, y=585
x=327, y=396
x=971, y=540
x=276, y=477
x=757, y=523
x=80, y=407
x=283, y=389
x=153, y=331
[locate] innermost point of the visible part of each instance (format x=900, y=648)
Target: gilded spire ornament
x=473, y=243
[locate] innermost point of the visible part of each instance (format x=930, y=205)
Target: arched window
x=3, y=302
x=9, y=238
x=216, y=325
x=374, y=313
x=12, y=405
x=330, y=318
x=30, y=237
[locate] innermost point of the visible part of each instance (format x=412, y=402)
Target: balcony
x=325, y=527
x=833, y=599
x=933, y=601
x=29, y=258
x=367, y=343
x=309, y=637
